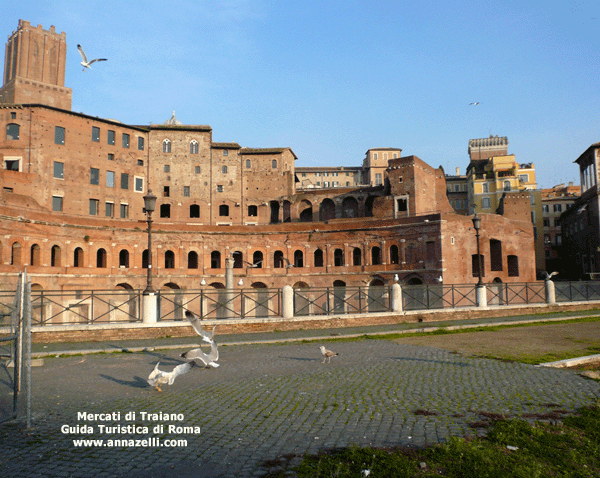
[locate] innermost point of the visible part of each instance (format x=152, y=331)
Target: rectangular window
x=94, y=204
x=110, y=209
x=125, y=140
x=59, y=170
x=167, y=168
x=140, y=143
x=57, y=203
x=248, y=164
x=186, y=191
x=524, y=178
x=95, y=134
x=378, y=179
x=124, y=181
x=557, y=207
x=110, y=138
x=485, y=203
x=124, y=211
x=219, y=188
x=59, y=135
x=166, y=191
x=545, y=208
x=110, y=179
x=111, y=157
x=138, y=184
x=94, y=176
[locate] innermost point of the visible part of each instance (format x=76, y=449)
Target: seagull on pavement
x=195, y=322
x=327, y=354
x=159, y=377
x=85, y=63
x=208, y=359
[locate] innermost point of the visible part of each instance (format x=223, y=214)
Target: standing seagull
x=85, y=63
x=327, y=354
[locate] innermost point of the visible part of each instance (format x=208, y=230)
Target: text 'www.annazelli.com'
x=153, y=442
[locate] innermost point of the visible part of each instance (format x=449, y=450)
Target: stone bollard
x=481, y=296
x=396, y=298
x=550, y=292
x=149, y=308
x=287, y=299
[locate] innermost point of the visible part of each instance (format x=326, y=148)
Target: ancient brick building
x=71, y=205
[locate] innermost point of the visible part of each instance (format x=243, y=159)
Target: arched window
x=12, y=131
x=145, y=259
x=15, y=256
x=169, y=260
x=55, y=256
x=298, y=258
x=193, y=260
x=326, y=210
x=507, y=185
x=167, y=146
x=278, y=260
x=356, y=256
x=78, y=257
x=224, y=169
x=274, y=164
x=193, y=147
x=238, y=260
x=338, y=258
x=215, y=260
x=35, y=255
x=375, y=256
x=101, y=258
x=124, y=258
x=318, y=258
x=257, y=259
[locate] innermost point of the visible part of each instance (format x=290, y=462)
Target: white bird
x=439, y=279
x=195, y=322
x=158, y=377
x=288, y=263
x=475, y=103
x=549, y=276
x=208, y=359
x=85, y=63
x=327, y=354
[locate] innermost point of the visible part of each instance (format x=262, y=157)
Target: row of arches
x=259, y=259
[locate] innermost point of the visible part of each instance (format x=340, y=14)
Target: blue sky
x=331, y=79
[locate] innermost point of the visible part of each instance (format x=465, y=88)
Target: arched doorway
x=377, y=296
x=326, y=210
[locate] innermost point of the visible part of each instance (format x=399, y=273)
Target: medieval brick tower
x=34, y=67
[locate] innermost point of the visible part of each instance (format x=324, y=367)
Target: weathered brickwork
x=72, y=212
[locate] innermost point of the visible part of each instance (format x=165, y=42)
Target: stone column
x=481, y=296
x=149, y=308
x=550, y=292
x=287, y=300
x=396, y=298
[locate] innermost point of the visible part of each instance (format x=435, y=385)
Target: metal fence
x=125, y=306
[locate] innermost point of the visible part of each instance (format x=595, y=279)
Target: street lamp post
x=149, y=205
x=477, y=226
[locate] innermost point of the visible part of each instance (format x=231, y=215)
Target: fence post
x=396, y=298
x=149, y=308
x=550, y=292
x=481, y=291
x=287, y=294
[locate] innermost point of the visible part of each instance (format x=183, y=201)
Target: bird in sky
x=208, y=359
x=327, y=354
x=195, y=322
x=475, y=103
x=85, y=63
x=159, y=377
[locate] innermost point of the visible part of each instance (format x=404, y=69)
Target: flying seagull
x=85, y=63
x=195, y=322
x=549, y=276
x=208, y=359
x=158, y=377
x=475, y=103
x=327, y=354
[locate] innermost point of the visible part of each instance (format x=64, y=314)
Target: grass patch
x=514, y=448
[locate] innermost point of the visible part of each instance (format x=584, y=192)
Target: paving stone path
x=267, y=405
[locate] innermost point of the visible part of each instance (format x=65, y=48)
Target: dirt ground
x=520, y=343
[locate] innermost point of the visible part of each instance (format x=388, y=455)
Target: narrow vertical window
x=140, y=143
x=59, y=170
x=125, y=140
x=59, y=135
x=110, y=138
x=95, y=134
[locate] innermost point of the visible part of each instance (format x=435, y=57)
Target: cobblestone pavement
x=265, y=405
